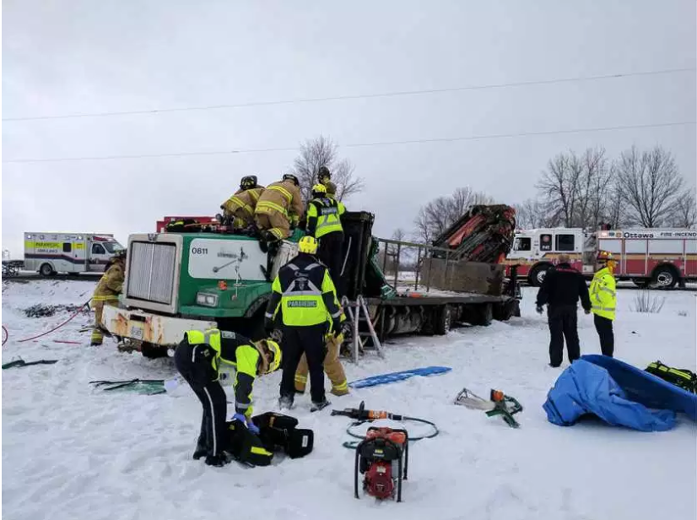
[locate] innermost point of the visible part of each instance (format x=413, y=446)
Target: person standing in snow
x=563, y=286
x=198, y=359
x=604, y=299
x=304, y=300
x=107, y=293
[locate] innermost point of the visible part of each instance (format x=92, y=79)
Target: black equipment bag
x=279, y=432
x=685, y=379
x=246, y=446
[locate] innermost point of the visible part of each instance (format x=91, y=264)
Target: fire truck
x=647, y=257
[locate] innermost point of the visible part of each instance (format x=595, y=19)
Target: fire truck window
x=665, y=246
x=545, y=242
x=565, y=243
x=67, y=247
x=523, y=244
x=613, y=245
x=635, y=246
x=97, y=249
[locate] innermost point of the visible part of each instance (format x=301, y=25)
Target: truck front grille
x=151, y=271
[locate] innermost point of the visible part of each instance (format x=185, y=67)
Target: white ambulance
x=51, y=253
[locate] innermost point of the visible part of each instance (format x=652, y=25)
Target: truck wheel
x=46, y=270
x=483, y=314
x=151, y=351
x=444, y=319
x=537, y=275
x=665, y=277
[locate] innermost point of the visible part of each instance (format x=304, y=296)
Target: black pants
x=195, y=366
x=563, y=325
x=607, y=337
x=331, y=254
x=309, y=340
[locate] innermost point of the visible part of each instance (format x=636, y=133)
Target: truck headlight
x=207, y=300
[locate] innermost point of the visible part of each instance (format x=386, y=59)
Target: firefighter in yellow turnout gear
x=199, y=357
x=107, y=293
x=304, y=299
x=603, y=294
x=241, y=206
x=279, y=207
x=332, y=367
x=325, y=178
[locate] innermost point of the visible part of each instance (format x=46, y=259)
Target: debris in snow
x=44, y=311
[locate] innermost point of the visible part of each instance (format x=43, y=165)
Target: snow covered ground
x=70, y=452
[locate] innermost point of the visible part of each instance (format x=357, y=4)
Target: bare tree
x=650, y=184
x=531, y=214
x=319, y=152
x=439, y=214
x=685, y=212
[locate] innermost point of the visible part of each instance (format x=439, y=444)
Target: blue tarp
x=587, y=388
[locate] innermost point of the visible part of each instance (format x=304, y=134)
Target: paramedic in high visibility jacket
x=107, y=293
x=324, y=223
x=603, y=293
x=199, y=358
x=325, y=178
x=304, y=300
x=279, y=207
x=241, y=206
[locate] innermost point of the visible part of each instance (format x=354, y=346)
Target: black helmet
x=323, y=173
x=248, y=182
x=291, y=177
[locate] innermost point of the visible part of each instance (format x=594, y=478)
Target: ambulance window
x=545, y=242
x=522, y=244
x=97, y=249
x=67, y=247
x=565, y=242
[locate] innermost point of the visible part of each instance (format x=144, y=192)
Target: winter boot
x=216, y=460
x=200, y=451
x=316, y=407
x=339, y=391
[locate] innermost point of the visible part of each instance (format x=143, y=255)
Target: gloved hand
x=539, y=309
x=239, y=417
x=252, y=427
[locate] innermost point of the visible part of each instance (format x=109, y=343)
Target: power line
x=356, y=96
x=352, y=145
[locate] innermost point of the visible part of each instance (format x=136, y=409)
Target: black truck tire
x=483, y=314
x=46, y=270
x=443, y=321
x=665, y=277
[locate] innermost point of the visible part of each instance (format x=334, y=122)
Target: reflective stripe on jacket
x=283, y=197
x=603, y=293
x=324, y=217
x=235, y=350
x=304, y=294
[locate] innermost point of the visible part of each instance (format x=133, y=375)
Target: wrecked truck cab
x=194, y=281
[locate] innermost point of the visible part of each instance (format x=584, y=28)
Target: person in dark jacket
x=562, y=288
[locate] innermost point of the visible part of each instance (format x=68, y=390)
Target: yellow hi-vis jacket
x=236, y=350
x=324, y=217
x=603, y=293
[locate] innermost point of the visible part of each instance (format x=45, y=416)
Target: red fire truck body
x=662, y=257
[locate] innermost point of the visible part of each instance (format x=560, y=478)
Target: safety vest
x=243, y=356
x=327, y=213
x=603, y=294
x=307, y=294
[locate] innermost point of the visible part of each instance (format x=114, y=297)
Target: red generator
x=383, y=457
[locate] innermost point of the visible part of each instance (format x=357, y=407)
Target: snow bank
x=70, y=452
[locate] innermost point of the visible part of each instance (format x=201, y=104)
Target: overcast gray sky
x=82, y=56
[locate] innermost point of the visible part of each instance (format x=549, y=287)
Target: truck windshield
x=112, y=247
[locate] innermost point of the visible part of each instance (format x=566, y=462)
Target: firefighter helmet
x=324, y=173
x=308, y=245
x=605, y=256
x=274, y=355
x=291, y=177
x=319, y=191
x=248, y=182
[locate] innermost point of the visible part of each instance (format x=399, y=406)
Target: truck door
x=98, y=258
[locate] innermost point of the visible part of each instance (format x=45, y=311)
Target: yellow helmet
x=274, y=355
x=318, y=190
x=308, y=244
